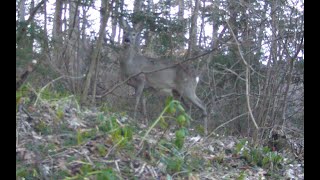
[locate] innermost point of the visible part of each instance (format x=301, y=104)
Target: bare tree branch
x=32, y=14
x=247, y=76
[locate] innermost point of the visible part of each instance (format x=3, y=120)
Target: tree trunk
x=137, y=8
x=181, y=10
x=202, y=34
x=45, y=41
x=22, y=10
x=193, y=30
x=57, y=34
x=83, y=26
x=149, y=33
x=31, y=40
x=121, y=10
x=72, y=56
x=181, y=21
x=94, y=57
x=114, y=21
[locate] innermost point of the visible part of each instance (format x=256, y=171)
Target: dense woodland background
x=255, y=43
x=249, y=55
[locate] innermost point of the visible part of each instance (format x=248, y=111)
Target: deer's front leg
x=140, y=80
x=144, y=109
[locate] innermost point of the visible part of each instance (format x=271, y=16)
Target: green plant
x=120, y=135
x=172, y=108
x=107, y=174
x=22, y=96
x=272, y=159
x=180, y=136
x=79, y=137
x=43, y=127
x=259, y=156
x=102, y=150
x=219, y=158
x=87, y=171
x=174, y=164
x=49, y=93
x=27, y=172
x=72, y=140
x=241, y=146
x=60, y=113
x=242, y=176
x=104, y=108
x=196, y=162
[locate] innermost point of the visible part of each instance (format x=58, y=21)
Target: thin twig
x=106, y=156
x=223, y=124
x=142, y=168
x=117, y=166
x=227, y=69
x=25, y=111
x=247, y=76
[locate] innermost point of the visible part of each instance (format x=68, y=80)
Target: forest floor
x=55, y=140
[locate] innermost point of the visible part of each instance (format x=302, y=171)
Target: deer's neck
x=129, y=53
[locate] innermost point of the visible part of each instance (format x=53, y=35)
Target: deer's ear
x=124, y=24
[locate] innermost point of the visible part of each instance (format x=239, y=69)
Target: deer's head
x=131, y=36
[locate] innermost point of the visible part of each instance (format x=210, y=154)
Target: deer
x=156, y=74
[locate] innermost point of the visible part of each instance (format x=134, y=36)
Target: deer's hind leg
x=190, y=94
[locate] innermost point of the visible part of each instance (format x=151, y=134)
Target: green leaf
x=107, y=174
x=163, y=124
x=179, y=142
x=181, y=119
x=265, y=161
x=180, y=108
x=174, y=165
x=168, y=100
x=79, y=137
x=180, y=133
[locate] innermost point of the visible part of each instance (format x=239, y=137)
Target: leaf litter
x=53, y=146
